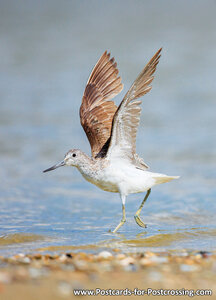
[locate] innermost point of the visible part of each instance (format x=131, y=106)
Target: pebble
x=120, y=256
x=25, y=260
x=69, y=255
x=35, y=273
x=20, y=258
x=116, y=250
x=64, y=288
x=62, y=257
x=20, y=255
x=130, y=268
x=105, y=254
x=80, y=265
x=159, y=259
x=5, y=277
x=149, y=254
x=21, y=274
x=126, y=261
x=182, y=253
x=188, y=268
x=36, y=266
x=204, y=254
x=37, y=256
x=145, y=262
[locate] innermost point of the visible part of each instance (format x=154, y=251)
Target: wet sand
x=56, y=276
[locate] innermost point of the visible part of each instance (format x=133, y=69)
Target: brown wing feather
x=127, y=117
x=96, y=111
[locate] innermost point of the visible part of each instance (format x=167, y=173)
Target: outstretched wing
x=96, y=111
x=127, y=117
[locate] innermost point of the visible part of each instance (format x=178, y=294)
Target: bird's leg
x=123, y=220
x=137, y=217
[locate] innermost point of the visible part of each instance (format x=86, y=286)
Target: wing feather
x=127, y=117
x=96, y=111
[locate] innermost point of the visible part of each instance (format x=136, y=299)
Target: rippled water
x=46, y=54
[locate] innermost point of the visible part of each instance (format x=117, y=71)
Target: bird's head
x=72, y=158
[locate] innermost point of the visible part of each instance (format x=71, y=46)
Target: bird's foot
x=119, y=225
x=139, y=221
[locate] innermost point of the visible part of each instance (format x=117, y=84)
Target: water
x=46, y=54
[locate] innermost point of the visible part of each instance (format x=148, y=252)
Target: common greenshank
x=114, y=165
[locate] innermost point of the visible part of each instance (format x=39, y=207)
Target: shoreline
x=56, y=276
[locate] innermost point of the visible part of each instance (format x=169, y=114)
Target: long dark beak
x=61, y=164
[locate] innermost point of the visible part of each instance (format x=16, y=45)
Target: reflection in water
x=166, y=239
x=48, y=52
x=157, y=242
x=19, y=238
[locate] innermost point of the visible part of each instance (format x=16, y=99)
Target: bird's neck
x=86, y=165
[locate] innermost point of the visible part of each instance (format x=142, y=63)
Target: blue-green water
x=47, y=52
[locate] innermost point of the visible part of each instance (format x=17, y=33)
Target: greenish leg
x=137, y=215
x=123, y=220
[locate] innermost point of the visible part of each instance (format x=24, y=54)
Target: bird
x=114, y=165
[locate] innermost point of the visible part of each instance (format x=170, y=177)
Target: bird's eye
x=74, y=155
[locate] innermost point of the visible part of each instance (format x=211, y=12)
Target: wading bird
x=114, y=165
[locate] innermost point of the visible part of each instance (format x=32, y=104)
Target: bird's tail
x=163, y=179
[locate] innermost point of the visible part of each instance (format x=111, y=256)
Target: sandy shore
x=38, y=276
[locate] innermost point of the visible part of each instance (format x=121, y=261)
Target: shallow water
x=47, y=52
